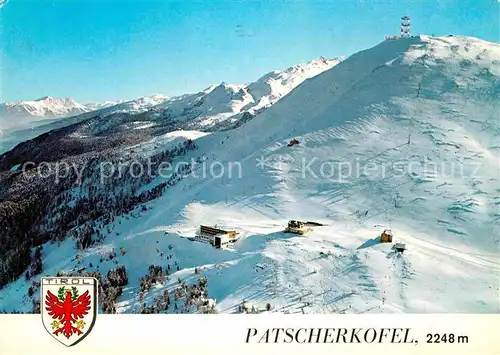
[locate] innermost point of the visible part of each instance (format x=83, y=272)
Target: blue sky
x=109, y=50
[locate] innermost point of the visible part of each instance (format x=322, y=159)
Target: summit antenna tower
x=405, y=27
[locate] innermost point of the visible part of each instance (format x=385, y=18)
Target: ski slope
x=404, y=135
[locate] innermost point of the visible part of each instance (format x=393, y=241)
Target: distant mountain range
x=221, y=101
x=19, y=113
x=216, y=107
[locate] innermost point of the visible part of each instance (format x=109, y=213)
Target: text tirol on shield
x=68, y=307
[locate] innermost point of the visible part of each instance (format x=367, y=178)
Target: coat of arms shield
x=68, y=307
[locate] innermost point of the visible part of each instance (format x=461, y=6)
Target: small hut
x=399, y=247
x=386, y=236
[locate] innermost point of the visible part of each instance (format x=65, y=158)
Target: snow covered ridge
x=223, y=106
x=411, y=101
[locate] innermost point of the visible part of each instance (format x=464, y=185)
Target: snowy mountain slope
x=439, y=194
x=222, y=106
x=277, y=84
x=404, y=135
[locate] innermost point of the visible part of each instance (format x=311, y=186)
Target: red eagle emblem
x=67, y=309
